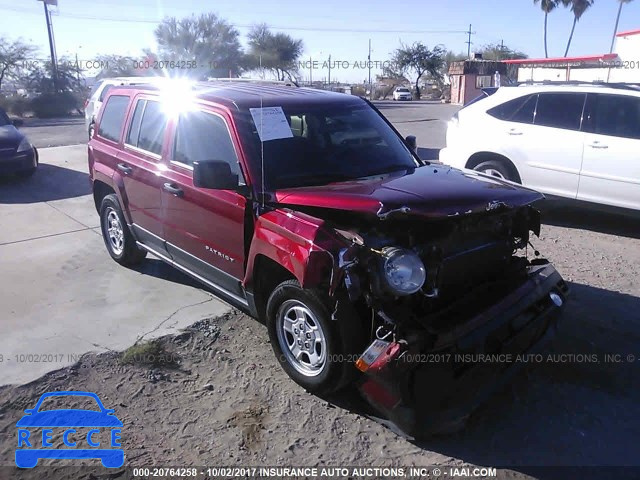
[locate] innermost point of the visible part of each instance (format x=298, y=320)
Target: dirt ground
x=220, y=399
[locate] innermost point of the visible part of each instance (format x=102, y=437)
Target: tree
x=117, y=66
x=12, y=57
x=500, y=51
x=578, y=7
x=547, y=7
x=418, y=59
x=278, y=53
x=69, y=78
x=208, y=40
x=615, y=29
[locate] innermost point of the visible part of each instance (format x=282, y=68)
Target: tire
x=499, y=169
x=29, y=173
x=92, y=127
x=330, y=365
x=116, y=234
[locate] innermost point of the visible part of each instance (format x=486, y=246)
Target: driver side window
x=202, y=136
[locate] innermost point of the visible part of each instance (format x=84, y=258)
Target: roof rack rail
x=597, y=83
x=287, y=83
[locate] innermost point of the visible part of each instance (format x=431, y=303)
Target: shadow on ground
x=577, y=408
x=49, y=183
x=160, y=269
x=609, y=220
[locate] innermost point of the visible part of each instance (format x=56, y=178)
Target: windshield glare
x=329, y=144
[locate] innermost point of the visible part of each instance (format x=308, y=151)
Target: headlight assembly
x=402, y=270
x=24, y=146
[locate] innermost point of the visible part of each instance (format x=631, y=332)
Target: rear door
x=204, y=229
x=611, y=167
x=139, y=163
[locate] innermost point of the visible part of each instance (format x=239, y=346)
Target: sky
x=339, y=28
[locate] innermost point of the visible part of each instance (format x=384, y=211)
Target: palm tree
x=615, y=29
x=578, y=7
x=547, y=7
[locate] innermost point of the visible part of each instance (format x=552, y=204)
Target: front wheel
x=315, y=351
x=497, y=169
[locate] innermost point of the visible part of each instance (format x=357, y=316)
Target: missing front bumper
x=426, y=391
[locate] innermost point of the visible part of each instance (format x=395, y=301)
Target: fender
x=300, y=243
x=108, y=176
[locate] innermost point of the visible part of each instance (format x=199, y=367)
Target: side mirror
x=17, y=122
x=214, y=174
x=412, y=143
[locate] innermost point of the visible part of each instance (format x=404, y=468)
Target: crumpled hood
x=433, y=191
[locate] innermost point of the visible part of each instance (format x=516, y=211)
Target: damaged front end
x=449, y=302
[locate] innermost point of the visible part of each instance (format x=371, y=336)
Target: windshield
x=328, y=144
x=403, y=90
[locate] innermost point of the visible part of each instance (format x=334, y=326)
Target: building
x=469, y=77
x=623, y=65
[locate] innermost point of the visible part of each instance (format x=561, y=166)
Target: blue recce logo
x=31, y=448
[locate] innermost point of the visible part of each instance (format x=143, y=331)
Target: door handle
x=171, y=188
x=124, y=168
x=598, y=145
x=514, y=132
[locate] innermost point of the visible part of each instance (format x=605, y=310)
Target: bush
x=60, y=104
x=15, y=105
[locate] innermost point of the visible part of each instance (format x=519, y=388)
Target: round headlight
x=403, y=271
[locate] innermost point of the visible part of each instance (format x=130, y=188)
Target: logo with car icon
x=84, y=433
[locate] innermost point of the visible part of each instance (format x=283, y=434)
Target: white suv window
x=521, y=109
x=560, y=110
x=616, y=115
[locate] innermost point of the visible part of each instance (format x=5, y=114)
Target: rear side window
x=113, y=117
x=560, y=110
x=519, y=109
x=204, y=136
x=147, y=127
x=617, y=115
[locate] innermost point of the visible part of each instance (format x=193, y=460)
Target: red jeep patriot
x=309, y=211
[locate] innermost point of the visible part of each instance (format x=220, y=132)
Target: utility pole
x=468, y=42
x=310, y=71
x=329, y=71
x=369, y=61
x=52, y=45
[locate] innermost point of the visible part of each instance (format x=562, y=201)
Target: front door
x=204, y=229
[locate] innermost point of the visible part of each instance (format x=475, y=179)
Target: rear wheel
x=498, y=169
x=315, y=351
x=92, y=127
x=115, y=232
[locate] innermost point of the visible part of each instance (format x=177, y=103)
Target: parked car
x=308, y=210
x=402, y=93
x=17, y=155
x=579, y=141
x=98, y=93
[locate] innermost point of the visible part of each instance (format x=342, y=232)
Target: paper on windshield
x=271, y=123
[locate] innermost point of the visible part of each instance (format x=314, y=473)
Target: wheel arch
x=479, y=157
x=100, y=190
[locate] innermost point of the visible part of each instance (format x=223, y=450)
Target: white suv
x=580, y=141
x=99, y=92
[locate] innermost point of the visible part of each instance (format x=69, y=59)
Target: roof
x=605, y=57
x=245, y=95
x=627, y=33
x=478, y=66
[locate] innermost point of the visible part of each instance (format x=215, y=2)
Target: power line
x=240, y=25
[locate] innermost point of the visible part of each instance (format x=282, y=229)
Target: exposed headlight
x=24, y=145
x=403, y=271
